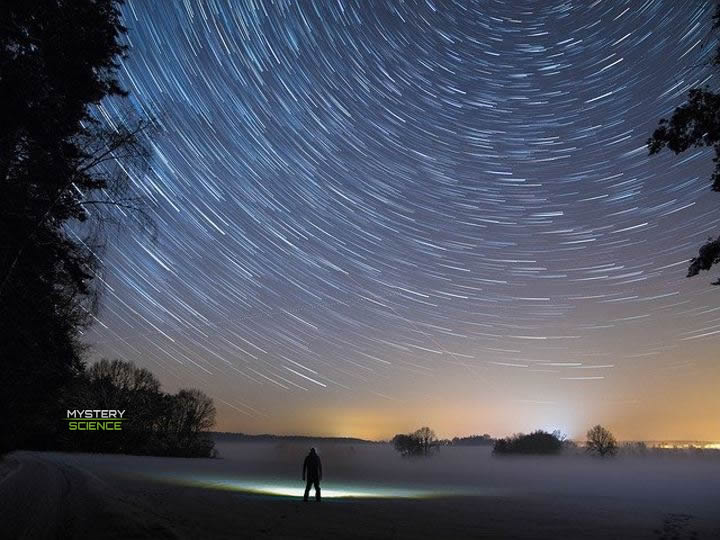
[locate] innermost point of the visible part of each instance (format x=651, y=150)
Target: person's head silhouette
x=312, y=451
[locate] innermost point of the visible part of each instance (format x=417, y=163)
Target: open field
x=254, y=491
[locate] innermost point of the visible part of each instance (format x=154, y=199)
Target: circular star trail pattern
x=368, y=202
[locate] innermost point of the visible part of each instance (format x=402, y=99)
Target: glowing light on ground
x=330, y=490
x=334, y=491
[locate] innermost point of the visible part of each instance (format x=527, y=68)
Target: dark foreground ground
x=51, y=495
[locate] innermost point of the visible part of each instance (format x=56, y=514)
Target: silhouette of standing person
x=312, y=470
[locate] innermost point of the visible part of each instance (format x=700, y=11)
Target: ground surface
x=51, y=495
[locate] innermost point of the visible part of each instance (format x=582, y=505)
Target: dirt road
x=45, y=497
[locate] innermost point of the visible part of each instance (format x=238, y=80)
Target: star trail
x=378, y=214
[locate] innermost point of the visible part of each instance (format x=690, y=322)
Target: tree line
x=157, y=423
x=423, y=442
x=66, y=175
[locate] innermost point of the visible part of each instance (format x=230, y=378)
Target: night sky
x=380, y=215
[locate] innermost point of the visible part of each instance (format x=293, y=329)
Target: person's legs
x=317, y=490
x=307, y=489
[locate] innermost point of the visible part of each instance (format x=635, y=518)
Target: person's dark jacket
x=313, y=467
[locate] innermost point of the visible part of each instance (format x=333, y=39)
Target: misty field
x=254, y=490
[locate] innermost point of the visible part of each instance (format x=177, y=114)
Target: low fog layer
x=686, y=479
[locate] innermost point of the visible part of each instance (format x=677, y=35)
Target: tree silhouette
x=155, y=423
x=422, y=442
x=537, y=442
x=58, y=60
x=692, y=125
x=405, y=444
x=191, y=414
x=426, y=438
x=601, y=442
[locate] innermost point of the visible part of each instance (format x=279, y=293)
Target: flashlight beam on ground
x=329, y=490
